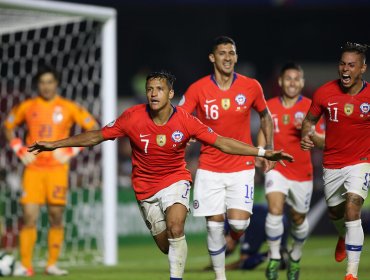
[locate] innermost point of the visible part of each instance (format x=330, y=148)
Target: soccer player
x=158, y=134
x=225, y=183
x=292, y=184
x=345, y=103
x=252, y=241
x=47, y=116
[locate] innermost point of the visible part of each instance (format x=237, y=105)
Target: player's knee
x=298, y=218
x=175, y=230
x=239, y=225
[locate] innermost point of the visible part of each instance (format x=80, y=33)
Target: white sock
x=216, y=247
x=340, y=227
x=274, y=230
x=177, y=254
x=354, y=242
x=299, y=234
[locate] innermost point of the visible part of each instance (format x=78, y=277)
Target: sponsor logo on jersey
x=177, y=136
x=286, y=119
x=111, y=123
x=161, y=140
x=196, y=204
x=210, y=101
x=365, y=108
x=348, y=109
x=143, y=135
x=240, y=99
x=57, y=115
x=225, y=103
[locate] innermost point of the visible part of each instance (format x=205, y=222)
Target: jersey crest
x=225, y=102
x=161, y=140
x=365, y=108
x=299, y=116
x=177, y=136
x=286, y=119
x=240, y=99
x=348, y=109
x=57, y=115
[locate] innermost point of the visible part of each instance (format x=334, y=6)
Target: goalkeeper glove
x=21, y=151
x=64, y=155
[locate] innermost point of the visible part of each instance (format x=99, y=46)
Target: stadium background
x=176, y=36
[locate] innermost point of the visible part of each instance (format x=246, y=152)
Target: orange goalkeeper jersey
x=48, y=121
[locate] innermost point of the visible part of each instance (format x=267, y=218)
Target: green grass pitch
x=139, y=259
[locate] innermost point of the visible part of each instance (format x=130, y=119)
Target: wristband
x=261, y=152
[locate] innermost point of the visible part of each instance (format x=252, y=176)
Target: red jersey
x=287, y=136
x=158, y=152
x=227, y=112
x=347, y=118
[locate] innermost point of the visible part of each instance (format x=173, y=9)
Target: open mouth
x=154, y=101
x=346, y=78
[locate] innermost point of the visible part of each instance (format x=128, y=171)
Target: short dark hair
x=222, y=40
x=290, y=65
x=44, y=69
x=356, y=48
x=170, y=78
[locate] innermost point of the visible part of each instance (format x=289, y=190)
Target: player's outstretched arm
x=309, y=138
x=86, y=139
x=235, y=147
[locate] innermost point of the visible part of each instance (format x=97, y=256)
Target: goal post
x=39, y=17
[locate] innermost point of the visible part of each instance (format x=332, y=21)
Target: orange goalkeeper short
x=42, y=186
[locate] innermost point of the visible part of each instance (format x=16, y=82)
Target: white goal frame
x=107, y=16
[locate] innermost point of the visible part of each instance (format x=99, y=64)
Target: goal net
x=30, y=38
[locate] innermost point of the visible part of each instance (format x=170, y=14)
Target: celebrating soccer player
x=225, y=183
x=291, y=184
x=158, y=134
x=345, y=104
x=45, y=180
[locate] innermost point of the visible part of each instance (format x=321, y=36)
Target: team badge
x=57, y=115
x=299, y=116
x=177, y=136
x=10, y=118
x=240, y=99
x=196, y=204
x=161, y=140
x=225, y=103
x=286, y=119
x=365, y=108
x=348, y=109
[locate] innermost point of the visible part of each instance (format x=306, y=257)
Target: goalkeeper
x=49, y=117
